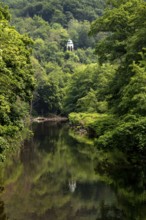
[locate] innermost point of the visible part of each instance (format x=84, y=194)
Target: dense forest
x=100, y=85
x=50, y=24
x=57, y=11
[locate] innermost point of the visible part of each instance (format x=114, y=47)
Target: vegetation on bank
x=124, y=44
x=16, y=80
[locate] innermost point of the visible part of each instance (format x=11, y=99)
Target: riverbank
x=50, y=118
x=111, y=132
x=86, y=121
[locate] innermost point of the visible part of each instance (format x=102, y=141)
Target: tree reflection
x=2, y=212
x=72, y=185
x=59, y=178
x=109, y=212
x=2, y=208
x=126, y=174
x=52, y=166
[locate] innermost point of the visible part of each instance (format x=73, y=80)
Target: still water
x=61, y=176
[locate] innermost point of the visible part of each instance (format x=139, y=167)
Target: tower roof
x=69, y=42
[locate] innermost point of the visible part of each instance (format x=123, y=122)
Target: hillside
x=60, y=11
x=50, y=24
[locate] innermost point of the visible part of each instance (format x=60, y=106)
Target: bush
x=128, y=135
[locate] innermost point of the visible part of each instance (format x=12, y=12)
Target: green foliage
x=121, y=23
x=78, y=32
x=88, y=89
x=84, y=119
x=124, y=43
x=3, y=144
x=134, y=94
x=128, y=135
x=16, y=79
x=47, y=99
x=50, y=92
x=4, y=13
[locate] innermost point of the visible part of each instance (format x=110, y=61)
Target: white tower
x=70, y=45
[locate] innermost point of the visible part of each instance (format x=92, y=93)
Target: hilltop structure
x=70, y=45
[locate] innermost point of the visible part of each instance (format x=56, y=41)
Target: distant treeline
x=60, y=11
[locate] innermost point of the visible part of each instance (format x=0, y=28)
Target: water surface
x=59, y=177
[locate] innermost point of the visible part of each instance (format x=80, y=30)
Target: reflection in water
x=2, y=207
x=126, y=174
x=2, y=213
x=58, y=178
x=72, y=185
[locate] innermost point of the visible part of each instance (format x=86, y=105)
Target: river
x=61, y=176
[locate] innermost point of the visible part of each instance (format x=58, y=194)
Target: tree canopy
x=58, y=11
